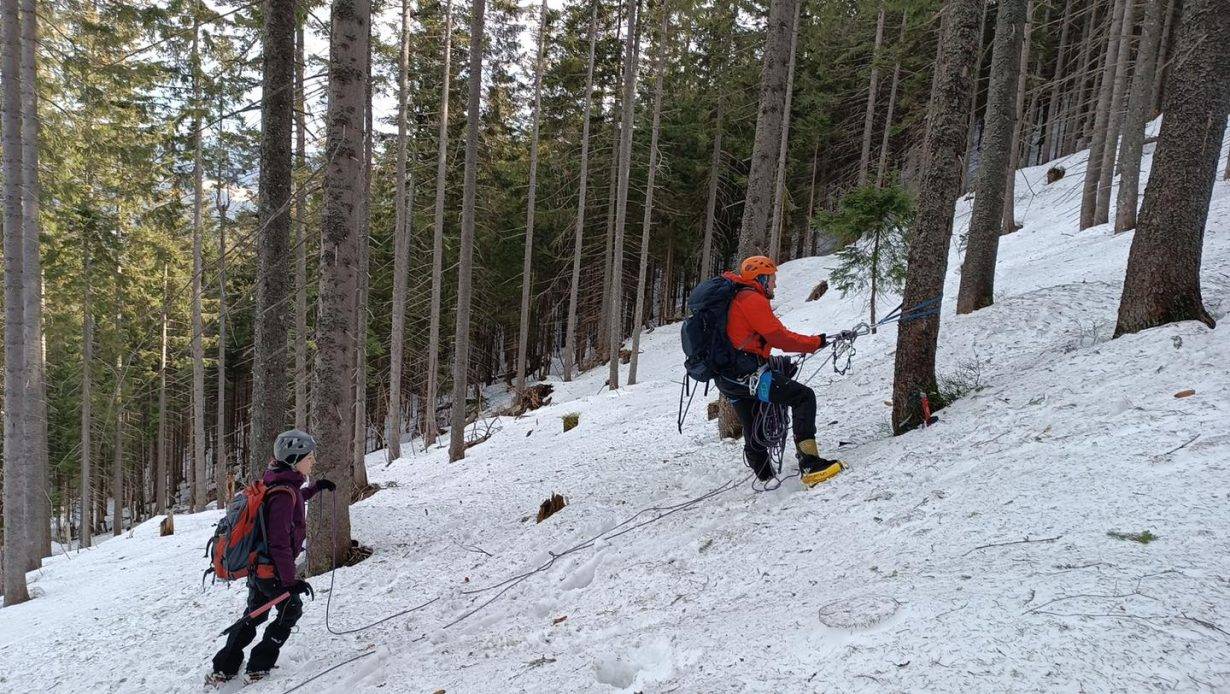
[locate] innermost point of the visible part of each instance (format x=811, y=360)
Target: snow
x=972, y=555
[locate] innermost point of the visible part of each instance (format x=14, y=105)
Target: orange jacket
x=752, y=327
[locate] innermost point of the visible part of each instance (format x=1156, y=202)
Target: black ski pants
x=782, y=390
x=265, y=654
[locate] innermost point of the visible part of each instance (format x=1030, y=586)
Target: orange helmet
x=755, y=266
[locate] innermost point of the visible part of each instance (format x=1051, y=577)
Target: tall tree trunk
x=939, y=183
x=1097, y=144
x=982, y=244
x=1140, y=103
x=601, y=341
x=332, y=384
x=570, y=336
x=631, y=50
x=882, y=168
x=1085, y=94
x=971, y=143
x=465, y=267
x=1018, y=127
x=268, y=412
x=359, y=432
x=301, y=301
x=523, y=335
x=779, y=180
x=715, y=178
x=1054, y=127
x=1161, y=62
x=221, y=462
x=430, y=427
x=1162, y=283
x=17, y=451
x=87, y=358
x=401, y=242
x=758, y=204
x=864, y=160
x=1115, y=117
x=162, y=471
x=39, y=483
x=117, y=461
x=197, y=492
x=647, y=220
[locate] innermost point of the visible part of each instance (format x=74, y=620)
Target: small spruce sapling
x=872, y=224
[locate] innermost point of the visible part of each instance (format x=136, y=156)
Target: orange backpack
x=240, y=539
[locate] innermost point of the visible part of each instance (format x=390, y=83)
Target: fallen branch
x=1014, y=542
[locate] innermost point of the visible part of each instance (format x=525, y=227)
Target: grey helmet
x=293, y=443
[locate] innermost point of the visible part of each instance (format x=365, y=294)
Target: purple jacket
x=286, y=519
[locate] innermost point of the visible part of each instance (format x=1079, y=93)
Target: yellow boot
x=812, y=468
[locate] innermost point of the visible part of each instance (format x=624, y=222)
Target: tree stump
x=1055, y=173
x=167, y=526
x=729, y=426
x=819, y=290
x=548, y=508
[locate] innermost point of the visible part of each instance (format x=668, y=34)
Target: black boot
x=760, y=464
x=812, y=468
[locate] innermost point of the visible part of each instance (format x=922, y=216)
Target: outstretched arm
x=755, y=308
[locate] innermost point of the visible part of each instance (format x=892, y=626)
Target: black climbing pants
x=782, y=390
x=265, y=653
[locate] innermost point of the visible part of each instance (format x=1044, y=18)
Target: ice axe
x=255, y=613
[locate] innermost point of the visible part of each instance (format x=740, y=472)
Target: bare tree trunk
x=715, y=177
x=982, y=244
x=1009, y=224
x=882, y=168
x=646, y=223
x=601, y=343
x=1162, y=283
x=1115, y=117
x=117, y=461
x=1097, y=144
x=465, y=267
x=197, y=490
x=631, y=50
x=570, y=335
x=779, y=182
x=1088, y=72
x=401, y=242
x=1160, y=63
x=332, y=384
x=939, y=183
x=87, y=358
x=430, y=427
x=1138, y=111
x=971, y=145
x=758, y=205
x=39, y=508
x=523, y=336
x=301, y=246
x=1054, y=127
x=18, y=467
x=864, y=161
x=268, y=413
x=221, y=463
x=359, y=432
x=162, y=472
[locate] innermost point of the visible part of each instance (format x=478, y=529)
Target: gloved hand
x=325, y=485
x=301, y=587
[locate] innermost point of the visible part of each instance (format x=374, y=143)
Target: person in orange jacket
x=754, y=330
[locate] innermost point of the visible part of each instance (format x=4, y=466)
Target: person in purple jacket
x=294, y=452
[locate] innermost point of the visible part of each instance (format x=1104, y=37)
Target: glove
x=301, y=587
x=325, y=485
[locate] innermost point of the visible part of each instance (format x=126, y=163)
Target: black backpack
x=706, y=347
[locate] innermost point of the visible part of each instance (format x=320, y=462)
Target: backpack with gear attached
x=706, y=347
x=239, y=539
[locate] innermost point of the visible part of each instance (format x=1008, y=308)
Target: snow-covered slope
x=977, y=554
